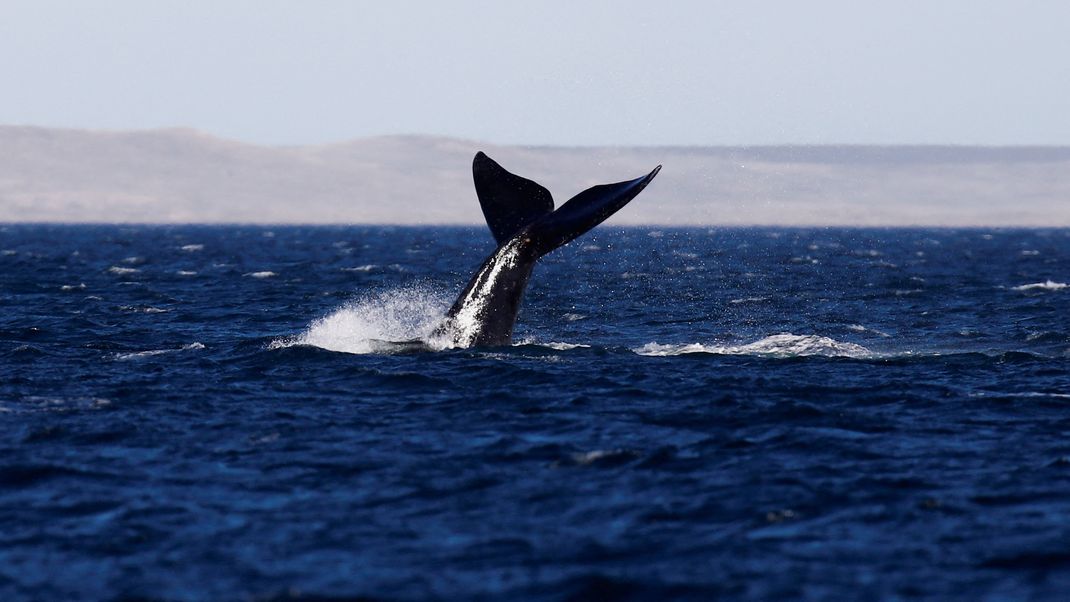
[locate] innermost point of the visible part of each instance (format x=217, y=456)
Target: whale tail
x=511, y=204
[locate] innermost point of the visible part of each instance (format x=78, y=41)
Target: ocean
x=217, y=413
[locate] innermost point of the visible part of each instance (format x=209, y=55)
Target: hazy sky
x=619, y=72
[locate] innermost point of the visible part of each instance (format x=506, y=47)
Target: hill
x=184, y=176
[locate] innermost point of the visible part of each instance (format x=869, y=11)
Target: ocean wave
x=145, y=309
x=361, y=268
x=1025, y=394
x=37, y=404
x=555, y=345
x=598, y=457
x=151, y=352
x=748, y=300
x=1047, y=285
x=861, y=328
x=778, y=345
x=373, y=267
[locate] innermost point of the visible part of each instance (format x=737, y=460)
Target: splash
x=372, y=323
x=779, y=345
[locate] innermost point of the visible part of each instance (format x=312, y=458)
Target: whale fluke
x=521, y=216
x=509, y=201
x=586, y=210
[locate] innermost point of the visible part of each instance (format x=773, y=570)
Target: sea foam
x=778, y=345
x=1048, y=285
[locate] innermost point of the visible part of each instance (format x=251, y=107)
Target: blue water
x=210, y=413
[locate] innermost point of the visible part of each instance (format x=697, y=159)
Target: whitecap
x=1047, y=285
x=140, y=354
x=73, y=287
x=145, y=309
x=186, y=273
x=152, y=352
x=261, y=274
x=122, y=271
x=1045, y=394
x=656, y=349
x=555, y=345
x=361, y=268
x=370, y=324
x=610, y=455
x=192, y=248
x=860, y=328
x=866, y=253
x=571, y=317
x=748, y=300
x=38, y=404
x=560, y=346
x=778, y=345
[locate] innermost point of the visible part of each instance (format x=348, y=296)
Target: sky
x=546, y=73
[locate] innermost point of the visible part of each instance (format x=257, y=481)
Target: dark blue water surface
x=209, y=413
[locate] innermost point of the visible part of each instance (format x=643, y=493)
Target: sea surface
x=217, y=413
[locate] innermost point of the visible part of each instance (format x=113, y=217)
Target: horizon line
x=200, y=132
x=723, y=226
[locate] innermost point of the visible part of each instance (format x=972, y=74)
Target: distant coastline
x=50, y=175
